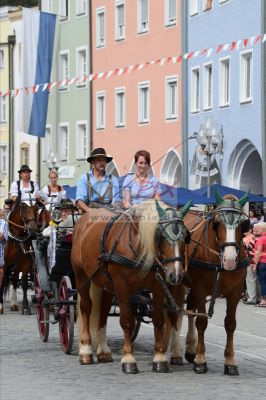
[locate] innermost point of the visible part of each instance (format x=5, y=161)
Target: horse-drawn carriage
x=151, y=245
x=54, y=293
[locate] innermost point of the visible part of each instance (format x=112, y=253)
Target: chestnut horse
x=22, y=226
x=124, y=253
x=217, y=266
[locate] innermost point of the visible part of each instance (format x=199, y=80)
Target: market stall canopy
x=223, y=190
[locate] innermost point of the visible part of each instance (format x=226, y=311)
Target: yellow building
x=5, y=43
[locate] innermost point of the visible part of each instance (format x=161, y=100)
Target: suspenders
x=101, y=198
x=31, y=184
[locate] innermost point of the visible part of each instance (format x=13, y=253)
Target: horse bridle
x=24, y=227
x=161, y=232
x=223, y=220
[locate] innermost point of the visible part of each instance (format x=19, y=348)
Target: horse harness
x=211, y=266
x=158, y=267
x=23, y=239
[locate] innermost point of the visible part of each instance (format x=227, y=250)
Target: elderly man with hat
x=96, y=188
x=24, y=187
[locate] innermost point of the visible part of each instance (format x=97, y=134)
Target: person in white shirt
x=24, y=187
x=54, y=193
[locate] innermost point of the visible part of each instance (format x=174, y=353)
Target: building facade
x=139, y=105
x=68, y=121
x=226, y=85
x=4, y=85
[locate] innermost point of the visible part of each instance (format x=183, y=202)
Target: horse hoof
x=231, y=370
x=190, y=357
x=176, y=361
x=130, y=368
x=85, y=359
x=14, y=307
x=160, y=366
x=104, y=357
x=200, y=368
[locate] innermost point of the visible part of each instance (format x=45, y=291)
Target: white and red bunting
x=48, y=86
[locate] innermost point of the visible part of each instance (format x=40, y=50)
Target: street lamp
x=210, y=139
x=51, y=162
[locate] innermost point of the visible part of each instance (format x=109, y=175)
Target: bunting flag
x=38, y=89
x=37, y=54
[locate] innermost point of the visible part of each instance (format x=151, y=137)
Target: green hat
x=66, y=203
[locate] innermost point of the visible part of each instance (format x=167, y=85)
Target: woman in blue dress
x=140, y=186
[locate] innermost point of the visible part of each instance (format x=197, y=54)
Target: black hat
x=66, y=203
x=24, y=168
x=100, y=152
x=9, y=202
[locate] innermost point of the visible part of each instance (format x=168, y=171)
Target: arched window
x=245, y=168
x=171, y=171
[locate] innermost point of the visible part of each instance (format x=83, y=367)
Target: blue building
x=226, y=83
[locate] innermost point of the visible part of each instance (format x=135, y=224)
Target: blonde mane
x=148, y=219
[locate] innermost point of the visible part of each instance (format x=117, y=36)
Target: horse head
x=171, y=235
x=230, y=222
x=26, y=219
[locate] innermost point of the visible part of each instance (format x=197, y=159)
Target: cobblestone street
x=31, y=369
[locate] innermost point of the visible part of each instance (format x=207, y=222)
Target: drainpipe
x=90, y=72
x=38, y=161
x=263, y=91
x=184, y=5
x=11, y=40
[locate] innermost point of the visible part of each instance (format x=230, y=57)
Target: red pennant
x=245, y=43
x=203, y=52
x=258, y=38
x=233, y=46
x=219, y=48
x=179, y=58
x=125, y=71
x=190, y=55
x=135, y=67
x=49, y=86
x=116, y=70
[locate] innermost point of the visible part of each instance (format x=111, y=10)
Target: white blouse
x=25, y=191
x=54, y=197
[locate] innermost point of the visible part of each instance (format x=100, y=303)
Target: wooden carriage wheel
x=66, y=316
x=42, y=312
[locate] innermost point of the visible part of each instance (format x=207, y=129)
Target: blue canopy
x=178, y=196
x=169, y=195
x=70, y=191
x=223, y=190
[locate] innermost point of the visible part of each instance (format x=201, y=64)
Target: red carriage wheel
x=42, y=312
x=66, y=316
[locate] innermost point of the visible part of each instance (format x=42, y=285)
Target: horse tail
x=7, y=280
x=96, y=298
